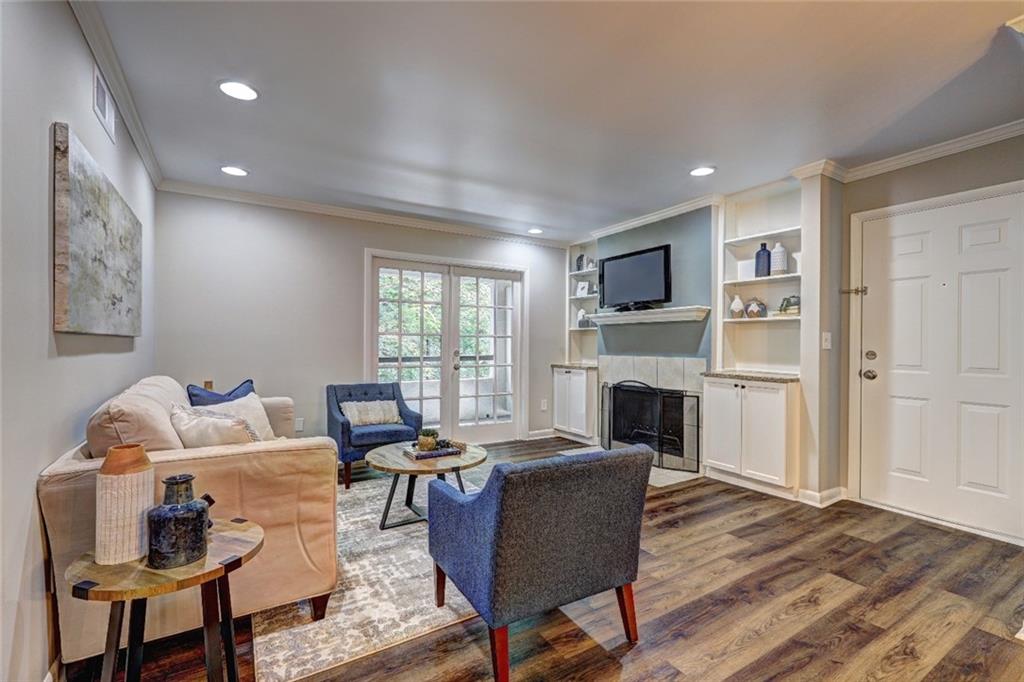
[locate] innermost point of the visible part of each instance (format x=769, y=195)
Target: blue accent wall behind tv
x=690, y=237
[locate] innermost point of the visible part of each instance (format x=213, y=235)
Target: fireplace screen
x=666, y=420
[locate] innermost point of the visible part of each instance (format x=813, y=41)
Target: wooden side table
x=230, y=544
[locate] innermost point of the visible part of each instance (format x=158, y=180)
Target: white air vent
x=103, y=103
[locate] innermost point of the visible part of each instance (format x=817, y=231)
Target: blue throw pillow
x=199, y=396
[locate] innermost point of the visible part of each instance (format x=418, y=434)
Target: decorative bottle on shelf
x=736, y=309
x=763, y=261
x=780, y=259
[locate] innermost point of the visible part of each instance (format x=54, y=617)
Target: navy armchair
x=542, y=534
x=355, y=441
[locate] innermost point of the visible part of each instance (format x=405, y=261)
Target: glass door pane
x=486, y=374
x=410, y=334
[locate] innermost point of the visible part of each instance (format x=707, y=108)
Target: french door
x=449, y=336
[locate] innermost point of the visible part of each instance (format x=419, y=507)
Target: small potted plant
x=427, y=440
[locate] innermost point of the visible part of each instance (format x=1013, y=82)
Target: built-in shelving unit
x=762, y=320
x=581, y=342
x=769, y=214
x=789, y=277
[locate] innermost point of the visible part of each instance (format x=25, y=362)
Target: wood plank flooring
x=735, y=585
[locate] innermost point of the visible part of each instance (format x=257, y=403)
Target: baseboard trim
x=1002, y=537
x=541, y=433
x=822, y=499
x=767, y=488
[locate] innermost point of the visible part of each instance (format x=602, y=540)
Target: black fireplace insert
x=666, y=420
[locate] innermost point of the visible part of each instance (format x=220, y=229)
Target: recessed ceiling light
x=535, y=230
x=701, y=171
x=234, y=170
x=238, y=90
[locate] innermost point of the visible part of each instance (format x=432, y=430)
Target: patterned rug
x=384, y=596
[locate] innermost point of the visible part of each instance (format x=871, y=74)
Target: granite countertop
x=753, y=375
x=573, y=365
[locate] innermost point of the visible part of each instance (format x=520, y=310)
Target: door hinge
x=858, y=291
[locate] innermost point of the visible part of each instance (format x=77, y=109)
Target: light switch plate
x=826, y=340
x=300, y=423
x=544, y=405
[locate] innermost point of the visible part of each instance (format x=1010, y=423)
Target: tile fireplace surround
x=683, y=374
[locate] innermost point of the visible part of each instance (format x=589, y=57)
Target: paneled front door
x=941, y=386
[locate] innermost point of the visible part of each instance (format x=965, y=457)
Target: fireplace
x=666, y=420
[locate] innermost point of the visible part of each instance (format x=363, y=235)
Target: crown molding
x=671, y=211
x=936, y=151
x=826, y=167
x=370, y=216
x=96, y=36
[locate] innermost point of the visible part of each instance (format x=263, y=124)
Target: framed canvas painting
x=97, y=247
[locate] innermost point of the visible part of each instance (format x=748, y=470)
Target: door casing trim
x=854, y=336
x=523, y=372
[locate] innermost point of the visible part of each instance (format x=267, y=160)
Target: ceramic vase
x=756, y=308
x=763, y=261
x=736, y=307
x=426, y=443
x=780, y=259
x=124, y=495
x=177, y=528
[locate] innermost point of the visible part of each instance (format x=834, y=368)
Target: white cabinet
x=751, y=429
x=575, y=401
x=722, y=410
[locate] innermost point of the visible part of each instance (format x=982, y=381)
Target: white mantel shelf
x=689, y=313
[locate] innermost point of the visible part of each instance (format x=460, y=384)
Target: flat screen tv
x=637, y=280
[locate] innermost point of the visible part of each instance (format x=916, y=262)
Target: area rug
x=384, y=596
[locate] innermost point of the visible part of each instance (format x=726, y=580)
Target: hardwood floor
x=741, y=586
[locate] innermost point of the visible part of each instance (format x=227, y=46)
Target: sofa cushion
x=250, y=408
x=379, y=434
x=199, y=427
x=200, y=397
x=139, y=414
x=364, y=412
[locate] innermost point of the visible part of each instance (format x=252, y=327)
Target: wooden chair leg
x=347, y=474
x=499, y=653
x=319, y=605
x=439, y=584
x=628, y=611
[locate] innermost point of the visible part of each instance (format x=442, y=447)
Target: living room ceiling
x=564, y=116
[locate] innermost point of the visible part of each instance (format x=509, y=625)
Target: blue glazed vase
x=763, y=261
x=177, y=528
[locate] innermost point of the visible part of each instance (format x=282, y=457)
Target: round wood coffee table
x=230, y=544
x=392, y=460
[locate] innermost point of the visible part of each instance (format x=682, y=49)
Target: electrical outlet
x=300, y=423
x=544, y=405
x=826, y=340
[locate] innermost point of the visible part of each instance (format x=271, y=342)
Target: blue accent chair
x=355, y=441
x=542, y=534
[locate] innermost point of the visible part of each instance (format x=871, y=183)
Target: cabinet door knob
x=870, y=374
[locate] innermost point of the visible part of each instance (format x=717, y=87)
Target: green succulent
x=429, y=433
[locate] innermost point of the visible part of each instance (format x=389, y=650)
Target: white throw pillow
x=199, y=427
x=372, y=412
x=250, y=408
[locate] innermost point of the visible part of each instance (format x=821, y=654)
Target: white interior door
x=450, y=337
x=941, y=421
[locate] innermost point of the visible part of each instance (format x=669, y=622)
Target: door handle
x=456, y=366
x=869, y=374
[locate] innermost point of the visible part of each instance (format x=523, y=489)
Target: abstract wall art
x=97, y=247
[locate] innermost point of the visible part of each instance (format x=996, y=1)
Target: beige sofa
x=288, y=486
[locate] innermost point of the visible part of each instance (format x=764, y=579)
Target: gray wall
x=690, y=237
x=992, y=164
x=278, y=295
x=51, y=382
